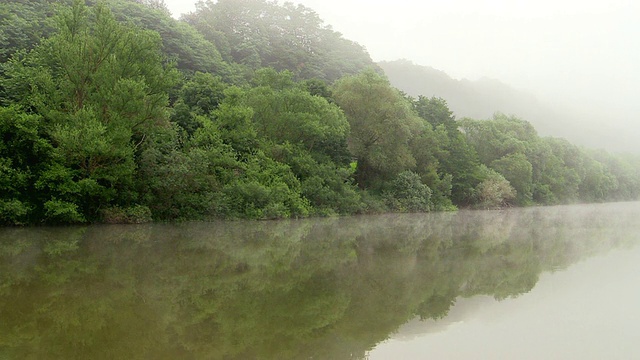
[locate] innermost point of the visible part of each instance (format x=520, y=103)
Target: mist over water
x=324, y=288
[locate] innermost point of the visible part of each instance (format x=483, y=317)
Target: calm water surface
x=537, y=283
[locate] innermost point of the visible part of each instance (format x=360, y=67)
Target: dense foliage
x=114, y=111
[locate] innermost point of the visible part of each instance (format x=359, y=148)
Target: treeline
x=116, y=112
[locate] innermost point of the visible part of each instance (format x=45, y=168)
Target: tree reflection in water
x=322, y=288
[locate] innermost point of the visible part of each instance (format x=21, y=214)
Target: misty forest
x=113, y=111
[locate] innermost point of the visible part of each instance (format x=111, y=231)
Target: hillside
x=115, y=112
x=480, y=99
x=476, y=99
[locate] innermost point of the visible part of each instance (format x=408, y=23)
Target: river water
x=534, y=283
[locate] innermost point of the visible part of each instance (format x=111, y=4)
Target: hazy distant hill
x=480, y=99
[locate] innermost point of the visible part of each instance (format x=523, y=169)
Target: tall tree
x=382, y=125
x=457, y=162
x=102, y=88
x=287, y=112
x=181, y=42
x=517, y=169
x=261, y=33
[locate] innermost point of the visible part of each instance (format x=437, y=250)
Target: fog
x=578, y=56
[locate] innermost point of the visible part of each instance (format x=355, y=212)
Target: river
x=531, y=283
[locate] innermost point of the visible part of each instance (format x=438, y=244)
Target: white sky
x=582, y=53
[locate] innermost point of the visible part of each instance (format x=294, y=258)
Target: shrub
x=408, y=193
x=494, y=191
x=137, y=214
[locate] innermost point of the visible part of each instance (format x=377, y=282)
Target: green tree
x=327, y=185
x=234, y=120
x=183, y=178
x=454, y=163
x=287, y=112
x=101, y=88
x=181, y=43
x=200, y=94
x=625, y=168
x=23, y=24
x=408, y=193
x=518, y=171
x=494, y=191
x=261, y=33
x=382, y=125
x=266, y=189
x=436, y=112
x=498, y=137
x=597, y=182
x=25, y=154
x=293, y=127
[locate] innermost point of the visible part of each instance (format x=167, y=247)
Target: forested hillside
x=478, y=99
x=481, y=98
x=115, y=112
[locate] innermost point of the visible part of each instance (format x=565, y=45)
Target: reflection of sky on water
x=589, y=311
x=325, y=288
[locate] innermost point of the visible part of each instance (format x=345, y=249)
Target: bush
x=372, y=203
x=63, y=212
x=137, y=214
x=13, y=212
x=494, y=191
x=253, y=200
x=408, y=193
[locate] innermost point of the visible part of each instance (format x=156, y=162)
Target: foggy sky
x=581, y=54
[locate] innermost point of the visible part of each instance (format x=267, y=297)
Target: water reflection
x=323, y=288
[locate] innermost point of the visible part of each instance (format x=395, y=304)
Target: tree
x=25, y=153
x=23, y=24
x=461, y=161
x=183, y=178
x=382, y=124
x=454, y=164
x=436, y=112
x=287, y=112
x=304, y=131
x=181, y=43
x=498, y=137
x=494, y=191
x=261, y=33
x=200, y=94
x=518, y=171
x=101, y=88
x=597, y=182
x=408, y=193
